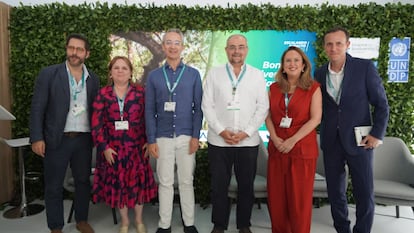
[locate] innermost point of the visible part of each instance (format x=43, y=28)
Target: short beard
x=78, y=63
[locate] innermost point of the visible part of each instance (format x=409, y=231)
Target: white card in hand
x=360, y=133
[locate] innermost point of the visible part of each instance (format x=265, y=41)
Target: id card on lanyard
x=286, y=121
x=335, y=93
x=121, y=125
x=234, y=104
x=170, y=105
x=77, y=108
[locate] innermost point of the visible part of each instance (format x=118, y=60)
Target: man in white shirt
x=235, y=105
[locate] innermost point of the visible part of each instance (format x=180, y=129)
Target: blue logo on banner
x=399, y=60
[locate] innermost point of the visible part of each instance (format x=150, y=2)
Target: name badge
x=169, y=106
x=77, y=110
x=233, y=105
x=121, y=125
x=285, y=122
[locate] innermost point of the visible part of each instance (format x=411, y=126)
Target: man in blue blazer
x=60, y=130
x=353, y=96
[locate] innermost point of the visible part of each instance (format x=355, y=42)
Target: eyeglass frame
x=77, y=49
x=173, y=42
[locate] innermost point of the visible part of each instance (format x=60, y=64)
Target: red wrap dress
x=129, y=181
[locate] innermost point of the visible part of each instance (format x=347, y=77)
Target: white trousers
x=175, y=151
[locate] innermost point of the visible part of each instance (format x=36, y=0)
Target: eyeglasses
x=234, y=47
x=73, y=48
x=172, y=42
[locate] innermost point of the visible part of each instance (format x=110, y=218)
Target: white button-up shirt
x=334, y=83
x=78, y=123
x=251, y=94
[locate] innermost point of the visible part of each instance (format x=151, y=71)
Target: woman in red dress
x=123, y=175
x=295, y=112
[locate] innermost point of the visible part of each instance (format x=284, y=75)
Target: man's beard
x=78, y=62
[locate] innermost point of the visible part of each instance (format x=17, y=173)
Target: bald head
x=236, y=49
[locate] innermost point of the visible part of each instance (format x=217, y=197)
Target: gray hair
x=176, y=30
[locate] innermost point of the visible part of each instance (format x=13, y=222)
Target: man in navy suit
x=60, y=130
x=353, y=95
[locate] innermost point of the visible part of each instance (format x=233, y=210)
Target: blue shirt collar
x=180, y=66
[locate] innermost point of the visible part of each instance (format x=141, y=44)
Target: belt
x=73, y=134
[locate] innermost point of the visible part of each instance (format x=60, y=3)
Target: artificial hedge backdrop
x=38, y=35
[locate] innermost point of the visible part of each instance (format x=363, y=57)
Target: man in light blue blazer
x=60, y=130
x=353, y=96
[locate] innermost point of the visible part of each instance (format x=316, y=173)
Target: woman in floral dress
x=123, y=175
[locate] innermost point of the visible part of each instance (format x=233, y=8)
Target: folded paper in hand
x=360, y=133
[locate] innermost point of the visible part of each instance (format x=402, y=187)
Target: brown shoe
x=84, y=227
x=244, y=230
x=56, y=231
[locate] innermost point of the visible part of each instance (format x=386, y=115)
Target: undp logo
x=399, y=49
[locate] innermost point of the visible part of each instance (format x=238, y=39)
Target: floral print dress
x=129, y=181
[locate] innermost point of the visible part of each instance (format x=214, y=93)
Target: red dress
x=129, y=181
x=290, y=176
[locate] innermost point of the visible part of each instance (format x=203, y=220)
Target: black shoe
x=217, y=230
x=162, y=230
x=190, y=229
x=244, y=230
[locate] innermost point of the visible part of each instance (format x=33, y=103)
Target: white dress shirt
x=251, y=94
x=78, y=96
x=334, y=83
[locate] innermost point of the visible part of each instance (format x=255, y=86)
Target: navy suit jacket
x=361, y=89
x=50, y=103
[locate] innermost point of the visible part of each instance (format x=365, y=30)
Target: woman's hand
x=109, y=155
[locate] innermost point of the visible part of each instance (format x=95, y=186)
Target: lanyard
x=121, y=102
x=73, y=86
x=287, y=100
x=336, y=94
x=171, y=90
x=233, y=83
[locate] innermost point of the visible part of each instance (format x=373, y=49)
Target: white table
x=24, y=209
x=6, y=115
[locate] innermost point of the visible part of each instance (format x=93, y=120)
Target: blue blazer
x=361, y=89
x=50, y=103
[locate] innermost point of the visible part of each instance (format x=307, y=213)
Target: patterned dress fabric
x=129, y=181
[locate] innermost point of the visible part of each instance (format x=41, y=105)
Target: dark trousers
x=222, y=160
x=76, y=151
x=361, y=171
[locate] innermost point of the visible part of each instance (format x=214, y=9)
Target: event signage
x=265, y=51
x=266, y=48
x=367, y=48
x=398, y=64
x=206, y=49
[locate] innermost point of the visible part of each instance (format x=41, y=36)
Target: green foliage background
x=38, y=35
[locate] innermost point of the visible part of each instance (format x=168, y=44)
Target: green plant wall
x=38, y=35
